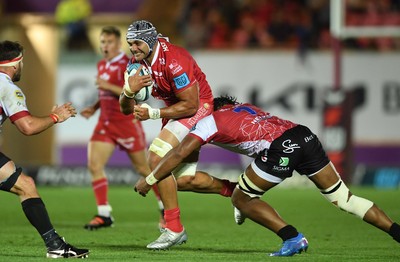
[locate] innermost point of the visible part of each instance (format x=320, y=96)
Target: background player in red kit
x=278, y=147
x=181, y=84
x=113, y=129
x=12, y=178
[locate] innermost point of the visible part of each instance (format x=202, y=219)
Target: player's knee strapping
x=11, y=180
x=339, y=194
x=160, y=147
x=185, y=169
x=248, y=187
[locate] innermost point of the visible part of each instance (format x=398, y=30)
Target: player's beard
x=139, y=55
x=17, y=75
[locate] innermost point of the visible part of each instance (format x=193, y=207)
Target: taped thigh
x=338, y=194
x=248, y=187
x=160, y=147
x=185, y=169
x=7, y=184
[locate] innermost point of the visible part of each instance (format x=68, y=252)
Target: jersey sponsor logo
x=308, y=138
x=281, y=168
x=181, y=81
x=161, y=61
x=164, y=47
x=19, y=94
x=289, y=147
x=175, y=67
x=157, y=74
x=284, y=161
x=105, y=76
x=113, y=68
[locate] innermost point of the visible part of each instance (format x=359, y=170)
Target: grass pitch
x=208, y=219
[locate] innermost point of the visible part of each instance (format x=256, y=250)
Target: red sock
x=156, y=192
x=227, y=188
x=100, y=188
x=172, y=219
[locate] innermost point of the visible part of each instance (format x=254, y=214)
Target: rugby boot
x=292, y=246
x=99, y=222
x=168, y=239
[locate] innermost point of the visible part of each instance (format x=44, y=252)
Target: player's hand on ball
x=137, y=81
x=142, y=187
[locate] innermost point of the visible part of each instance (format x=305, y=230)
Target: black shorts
x=296, y=149
x=3, y=159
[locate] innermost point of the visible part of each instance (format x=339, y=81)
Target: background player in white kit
x=278, y=147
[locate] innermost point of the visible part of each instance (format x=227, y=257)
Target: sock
x=36, y=212
x=100, y=188
x=157, y=194
x=395, y=232
x=287, y=232
x=172, y=219
x=227, y=188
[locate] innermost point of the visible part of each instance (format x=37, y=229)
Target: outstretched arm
x=32, y=125
x=168, y=163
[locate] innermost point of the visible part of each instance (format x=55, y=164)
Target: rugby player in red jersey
x=279, y=147
x=113, y=128
x=183, y=87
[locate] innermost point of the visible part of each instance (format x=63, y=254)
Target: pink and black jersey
x=12, y=100
x=242, y=128
x=173, y=70
x=113, y=72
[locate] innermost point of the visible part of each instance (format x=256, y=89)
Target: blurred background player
x=279, y=147
x=12, y=179
x=183, y=87
x=113, y=128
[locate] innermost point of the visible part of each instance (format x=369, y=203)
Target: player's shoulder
x=9, y=90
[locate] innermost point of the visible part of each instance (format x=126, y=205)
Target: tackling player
x=183, y=87
x=278, y=147
x=12, y=179
x=113, y=129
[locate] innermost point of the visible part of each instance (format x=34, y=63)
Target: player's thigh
x=99, y=152
x=326, y=177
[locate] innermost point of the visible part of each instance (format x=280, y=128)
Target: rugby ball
x=144, y=93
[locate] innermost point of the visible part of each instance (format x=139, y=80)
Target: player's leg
x=15, y=181
x=336, y=192
x=174, y=232
x=246, y=198
x=139, y=162
x=98, y=155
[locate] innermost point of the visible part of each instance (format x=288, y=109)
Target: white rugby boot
x=168, y=239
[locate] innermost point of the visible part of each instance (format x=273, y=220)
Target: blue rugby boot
x=292, y=246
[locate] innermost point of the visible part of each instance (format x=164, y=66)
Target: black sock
x=36, y=213
x=287, y=232
x=395, y=232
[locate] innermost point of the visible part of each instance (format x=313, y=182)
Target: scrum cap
x=144, y=31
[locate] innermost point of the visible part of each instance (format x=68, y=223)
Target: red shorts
x=127, y=135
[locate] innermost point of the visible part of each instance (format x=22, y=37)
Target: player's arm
x=90, y=110
x=168, y=163
x=32, y=125
x=186, y=107
x=103, y=84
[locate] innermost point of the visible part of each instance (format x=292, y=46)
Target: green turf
x=213, y=235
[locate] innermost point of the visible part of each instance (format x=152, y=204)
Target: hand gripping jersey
x=242, y=128
x=173, y=70
x=12, y=100
x=113, y=72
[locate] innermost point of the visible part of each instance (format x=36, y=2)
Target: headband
x=12, y=62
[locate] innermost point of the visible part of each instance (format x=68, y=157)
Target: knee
x=185, y=183
x=26, y=186
x=94, y=168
